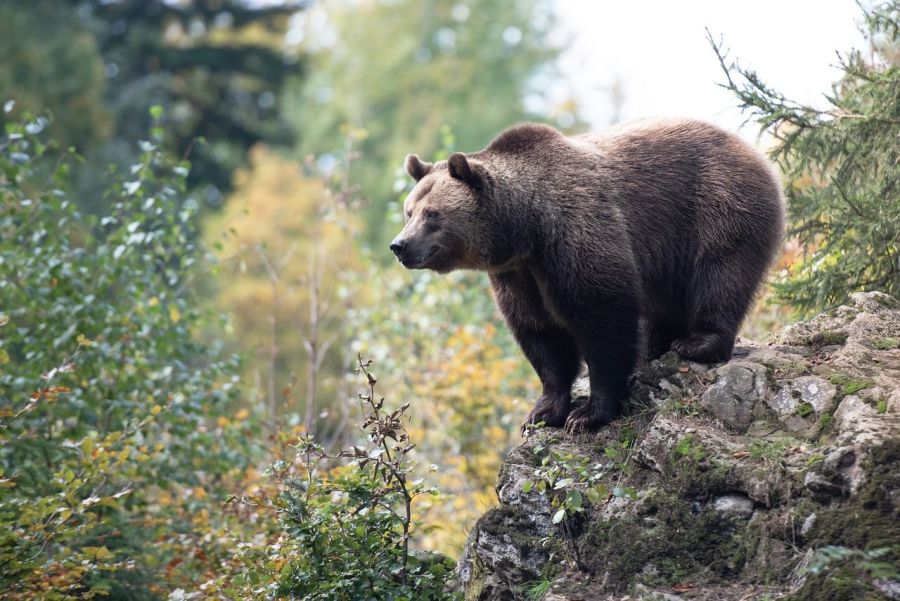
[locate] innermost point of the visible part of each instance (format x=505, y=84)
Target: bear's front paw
x=551, y=410
x=588, y=417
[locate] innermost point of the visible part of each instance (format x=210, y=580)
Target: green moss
x=515, y=525
x=886, y=344
x=848, y=384
x=475, y=586
x=671, y=535
x=825, y=424
x=791, y=369
x=827, y=338
x=870, y=520
x=881, y=405
x=804, y=409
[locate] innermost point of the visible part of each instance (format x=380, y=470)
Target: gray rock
x=890, y=588
x=840, y=474
x=734, y=505
x=823, y=487
x=808, y=523
x=645, y=593
x=739, y=389
x=802, y=402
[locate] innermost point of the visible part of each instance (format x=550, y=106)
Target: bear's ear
x=416, y=167
x=469, y=173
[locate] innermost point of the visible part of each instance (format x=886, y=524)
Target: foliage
x=114, y=435
x=842, y=164
x=286, y=242
x=467, y=380
x=865, y=562
x=573, y=480
x=404, y=74
x=348, y=526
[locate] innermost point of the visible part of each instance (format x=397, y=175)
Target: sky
x=658, y=51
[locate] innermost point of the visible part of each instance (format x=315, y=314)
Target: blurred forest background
x=196, y=201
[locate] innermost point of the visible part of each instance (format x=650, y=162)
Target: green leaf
x=562, y=483
x=527, y=486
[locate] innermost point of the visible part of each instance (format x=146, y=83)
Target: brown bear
x=607, y=248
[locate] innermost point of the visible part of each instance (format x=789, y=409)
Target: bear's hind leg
x=723, y=291
x=659, y=336
x=706, y=346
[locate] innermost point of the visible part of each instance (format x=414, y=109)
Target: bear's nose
x=398, y=247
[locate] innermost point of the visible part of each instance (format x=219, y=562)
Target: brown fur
x=603, y=247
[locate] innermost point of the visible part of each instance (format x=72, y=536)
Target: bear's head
x=446, y=217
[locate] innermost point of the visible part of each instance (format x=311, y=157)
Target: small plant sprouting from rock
x=570, y=479
x=858, y=561
x=537, y=590
x=688, y=448
x=769, y=450
x=360, y=511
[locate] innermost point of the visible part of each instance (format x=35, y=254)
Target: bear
x=605, y=248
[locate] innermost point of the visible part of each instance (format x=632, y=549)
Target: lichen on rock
x=775, y=475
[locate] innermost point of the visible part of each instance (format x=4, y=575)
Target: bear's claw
x=552, y=411
x=587, y=418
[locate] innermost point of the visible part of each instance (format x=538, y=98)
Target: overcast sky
x=659, y=52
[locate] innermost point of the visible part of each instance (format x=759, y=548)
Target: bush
x=112, y=444
x=346, y=526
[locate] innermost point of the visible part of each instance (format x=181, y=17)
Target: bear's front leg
x=550, y=349
x=554, y=355
x=607, y=333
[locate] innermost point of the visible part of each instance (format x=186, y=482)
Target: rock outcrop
x=775, y=475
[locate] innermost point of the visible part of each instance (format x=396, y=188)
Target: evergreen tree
x=842, y=166
x=219, y=65
x=97, y=66
x=50, y=64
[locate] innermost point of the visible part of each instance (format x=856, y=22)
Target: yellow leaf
x=83, y=340
x=242, y=414
x=123, y=454
x=174, y=314
x=156, y=410
x=222, y=421
x=4, y=357
x=97, y=553
x=153, y=302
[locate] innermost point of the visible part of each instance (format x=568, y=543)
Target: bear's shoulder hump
x=523, y=137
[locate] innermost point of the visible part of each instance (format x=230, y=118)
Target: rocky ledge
x=775, y=475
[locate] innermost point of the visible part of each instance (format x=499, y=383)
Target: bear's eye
x=409, y=214
x=431, y=215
